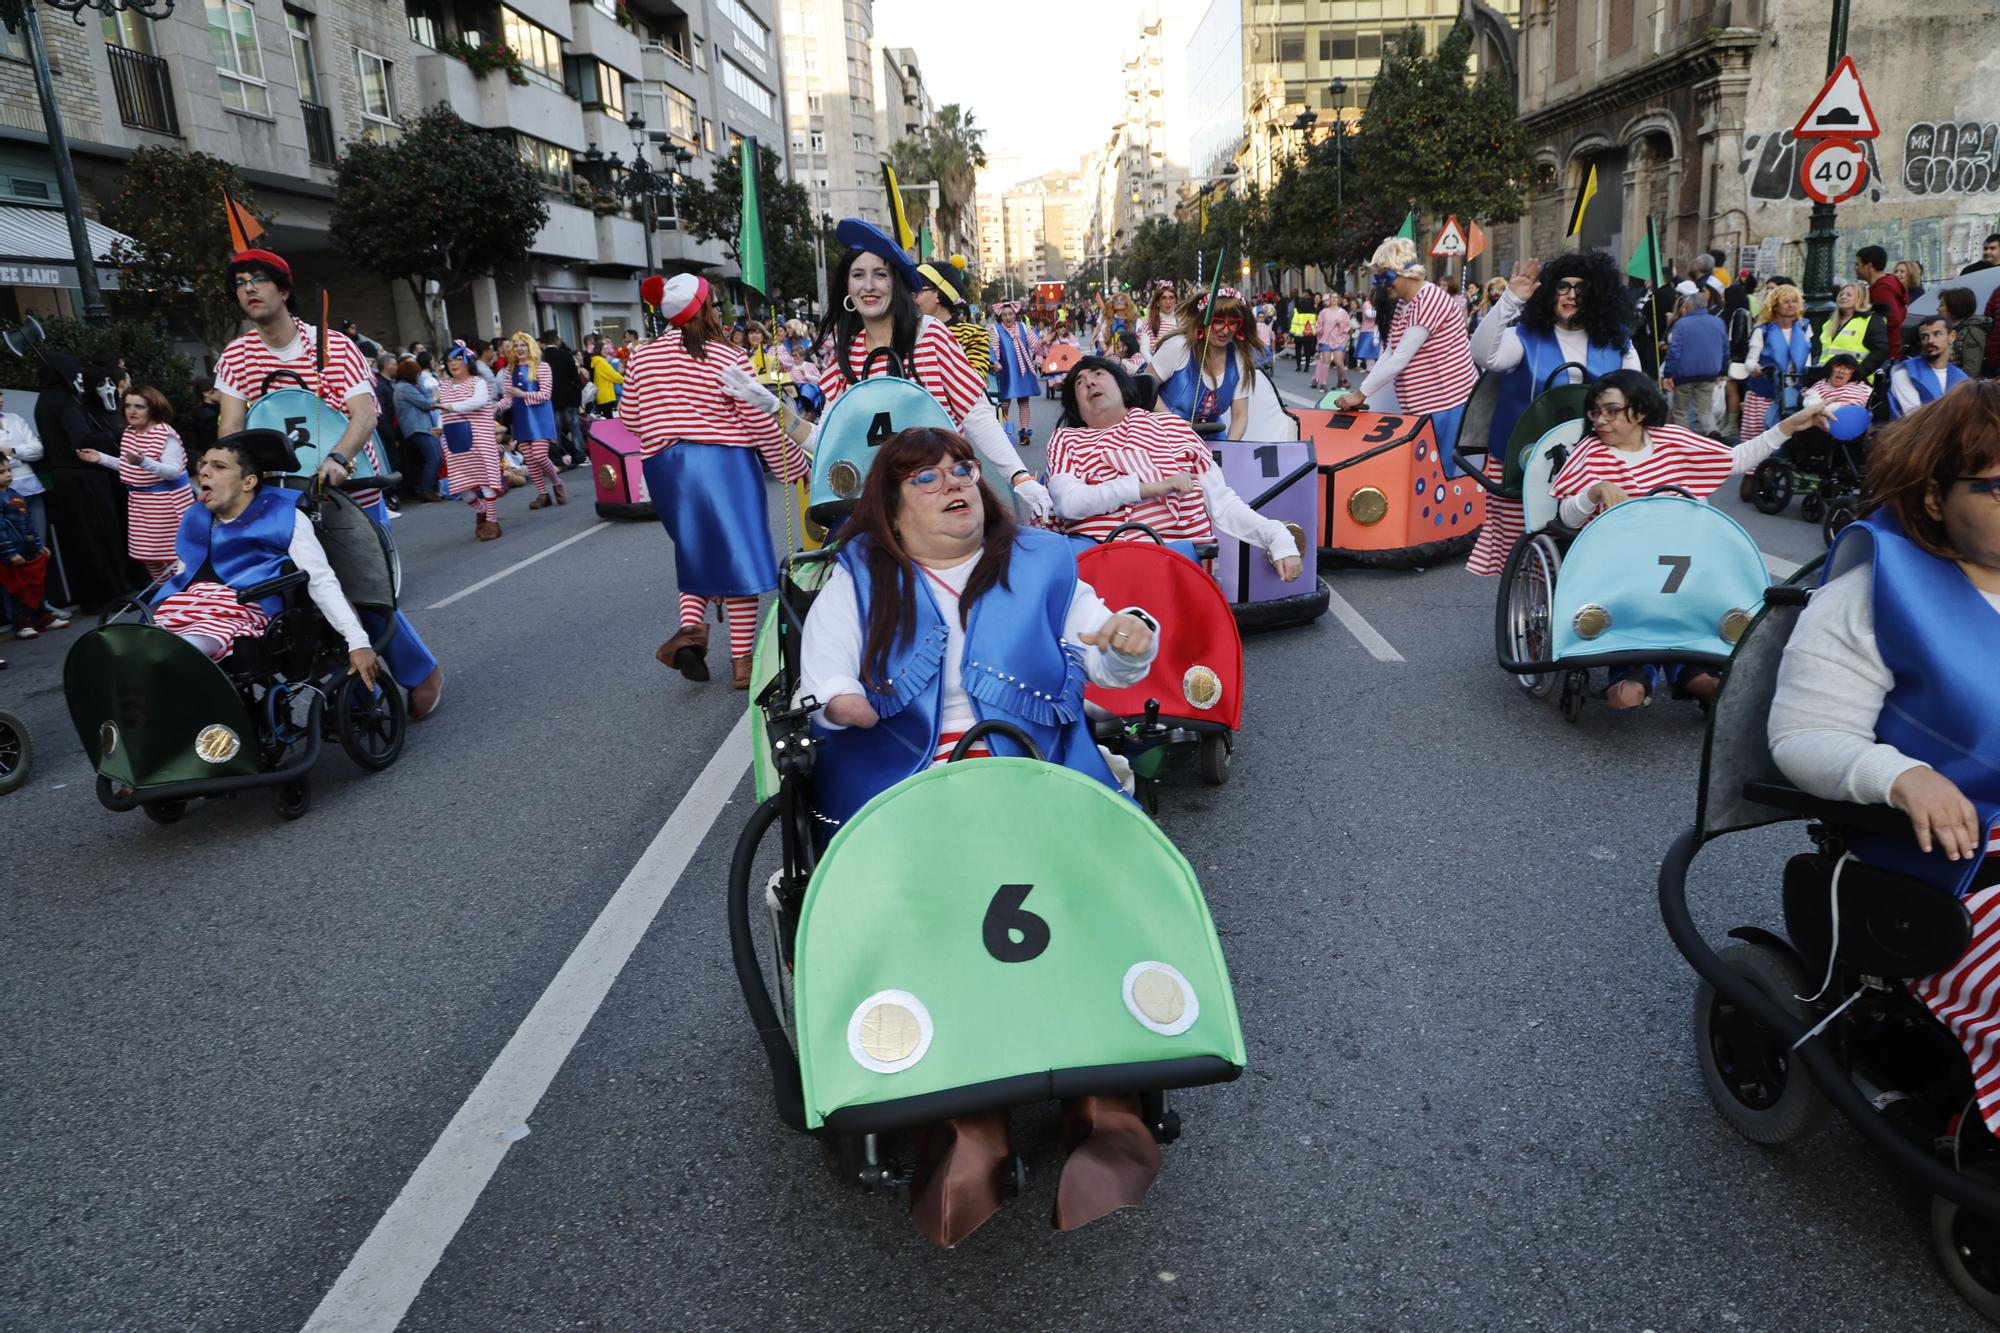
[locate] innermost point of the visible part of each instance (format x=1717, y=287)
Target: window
x=683, y=121
x=13, y=44
x=550, y=162
x=304, y=64
x=540, y=50
x=124, y=28
x=814, y=106
x=378, y=94
x=707, y=134
x=1292, y=46
x=426, y=18
x=816, y=143
x=737, y=80
x=597, y=85
x=700, y=58
x=746, y=22
x=232, y=32
x=608, y=8
x=1368, y=46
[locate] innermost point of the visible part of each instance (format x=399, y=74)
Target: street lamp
x=1339, y=91
x=642, y=184
x=19, y=16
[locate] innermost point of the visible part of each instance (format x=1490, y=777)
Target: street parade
x=1369, y=705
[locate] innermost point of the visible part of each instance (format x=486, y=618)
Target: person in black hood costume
x=78, y=409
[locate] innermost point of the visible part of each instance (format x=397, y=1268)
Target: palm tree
x=950, y=151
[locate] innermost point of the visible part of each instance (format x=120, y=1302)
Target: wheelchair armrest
x=1883, y=819
x=381, y=481
x=257, y=592
x=1207, y=550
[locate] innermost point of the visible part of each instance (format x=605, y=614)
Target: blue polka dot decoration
x=1423, y=452
x=1438, y=521
x=1422, y=485
x=1439, y=497
x=1427, y=511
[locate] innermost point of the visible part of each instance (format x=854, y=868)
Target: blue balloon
x=1850, y=422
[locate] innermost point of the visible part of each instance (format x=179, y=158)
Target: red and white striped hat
x=684, y=295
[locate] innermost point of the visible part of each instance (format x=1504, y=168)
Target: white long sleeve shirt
x=1831, y=687
x=830, y=656
x=18, y=438
x=1497, y=346
x=321, y=585
x=1577, y=510
x=1228, y=511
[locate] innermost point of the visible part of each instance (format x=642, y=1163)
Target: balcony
x=145, y=90
x=320, y=147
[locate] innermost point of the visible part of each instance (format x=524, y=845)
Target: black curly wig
x=1604, y=313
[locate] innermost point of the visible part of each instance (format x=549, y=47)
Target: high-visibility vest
x=1852, y=338
x=1302, y=322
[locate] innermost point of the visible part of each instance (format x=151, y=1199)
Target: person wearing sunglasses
x=1222, y=384
x=1557, y=323
x=1631, y=449
x=1429, y=361
x=1886, y=693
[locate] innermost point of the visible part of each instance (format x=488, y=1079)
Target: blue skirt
x=710, y=498
x=1367, y=349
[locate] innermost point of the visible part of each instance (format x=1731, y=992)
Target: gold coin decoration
x=217, y=744
x=889, y=1033
x=1159, y=996
x=845, y=479
x=1368, y=505
x=1734, y=623
x=1202, y=686
x=1591, y=620
x=607, y=476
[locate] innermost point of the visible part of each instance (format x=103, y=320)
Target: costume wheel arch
x=1385, y=502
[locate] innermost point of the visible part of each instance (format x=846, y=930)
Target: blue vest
x=1941, y=638
x=1928, y=383
x=1013, y=382
x=530, y=421
x=1183, y=393
x=1781, y=356
x=245, y=551
x=1016, y=669
x=1523, y=384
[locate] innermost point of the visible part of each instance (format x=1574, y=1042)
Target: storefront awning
x=35, y=249
x=561, y=296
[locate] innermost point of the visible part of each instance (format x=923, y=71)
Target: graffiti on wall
x=1952, y=157
x=1773, y=161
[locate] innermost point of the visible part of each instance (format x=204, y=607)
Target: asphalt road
x=1472, y=1100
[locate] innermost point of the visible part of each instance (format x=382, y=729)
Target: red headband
x=267, y=259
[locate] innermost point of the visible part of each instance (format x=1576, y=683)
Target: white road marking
x=1378, y=647
x=517, y=567
x=1780, y=567
x=383, y=1279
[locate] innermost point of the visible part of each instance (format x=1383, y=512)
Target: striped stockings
x=535, y=456
x=740, y=612
x=486, y=506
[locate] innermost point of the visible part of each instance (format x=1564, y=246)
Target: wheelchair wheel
x=1968, y=1249
x=1530, y=598
x=1575, y=689
x=292, y=799
x=17, y=752
x=1771, y=486
x=1838, y=515
x=165, y=812
x=370, y=727
x=1749, y=1069
x=1812, y=509
x=1215, y=759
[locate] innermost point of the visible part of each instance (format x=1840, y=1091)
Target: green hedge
x=147, y=353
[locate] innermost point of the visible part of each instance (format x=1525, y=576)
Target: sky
x=1046, y=85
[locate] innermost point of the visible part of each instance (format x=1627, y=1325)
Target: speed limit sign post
x=1835, y=170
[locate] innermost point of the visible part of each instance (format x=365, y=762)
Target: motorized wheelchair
x=1823, y=472
x=1791, y=1024
x=163, y=725
x=925, y=960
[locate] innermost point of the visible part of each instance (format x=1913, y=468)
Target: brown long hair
x=701, y=326
x=1954, y=435
x=1248, y=342
x=1156, y=311
x=892, y=572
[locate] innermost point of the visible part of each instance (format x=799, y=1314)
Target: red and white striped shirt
x=1146, y=445
x=672, y=394
x=246, y=365
x=937, y=362
x=1855, y=392
x=1674, y=456
x=152, y=441
x=1441, y=375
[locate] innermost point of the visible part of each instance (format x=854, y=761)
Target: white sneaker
x=26, y=632
x=60, y=622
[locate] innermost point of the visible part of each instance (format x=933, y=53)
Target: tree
x=950, y=150
x=144, y=348
x=1438, y=141
x=1319, y=214
x=169, y=203
x=712, y=210
x=444, y=203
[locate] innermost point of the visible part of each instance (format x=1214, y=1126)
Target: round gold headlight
x=217, y=744
x=1734, y=623
x=1591, y=620
x=607, y=476
x=1368, y=505
x=845, y=478
x=107, y=740
x=1202, y=687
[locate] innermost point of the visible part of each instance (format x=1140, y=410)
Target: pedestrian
x=1912, y=274
x=1886, y=293
x=605, y=379
x=472, y=450
x=566, y=398
x=1969, y=331
x=1017, y=352
x=528, y=387
x=1989, y=257
x=1429, y=360
x=1853, y=328
x=24, y=559
x=1209, y=371
x=1780, y=352
x=416, y=418
x=151, y=464
x=1928, y=373
x=702, y=432
x=1330, y=331
x=199, y=433
x=938, y=296
x=21, y=448
x=388, y=436
x=1301, y=328
x=1160, y=320
x=1367, y=346
x=1697, y=359
x=281, y=340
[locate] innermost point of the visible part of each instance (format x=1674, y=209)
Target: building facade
x=1032, y=230
x=280, y=89
x=1686, y=114
x=830, y=105
x=1136, y=174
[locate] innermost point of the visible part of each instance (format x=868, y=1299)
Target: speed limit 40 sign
x=1834, y=170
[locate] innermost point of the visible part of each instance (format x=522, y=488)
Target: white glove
x=741, y=385
x=1039, y=500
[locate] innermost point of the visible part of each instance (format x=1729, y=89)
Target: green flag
x=925, y=246
x=1408, y=231
x=750, y=239
x=1645, y=265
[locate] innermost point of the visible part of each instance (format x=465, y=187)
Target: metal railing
x=320, y=147
x=145, y=90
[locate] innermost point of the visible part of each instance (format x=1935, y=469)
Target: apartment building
x=1137, y=173
x=280, y=88
x=830, y=105
x=1032, y=230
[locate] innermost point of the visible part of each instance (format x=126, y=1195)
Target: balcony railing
x=320, y=147
x=145, y=90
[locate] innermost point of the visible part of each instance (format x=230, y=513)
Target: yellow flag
x=1204, y=215
x=1583, y=201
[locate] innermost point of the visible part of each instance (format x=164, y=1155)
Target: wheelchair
x=1791, y=1025
x=17, y=751
x=926, y=961
x=1824, y=473
x=163, y=725
x=1661, y=579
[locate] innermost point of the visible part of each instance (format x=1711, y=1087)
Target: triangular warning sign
x=1450, y=242
x=1841, y=110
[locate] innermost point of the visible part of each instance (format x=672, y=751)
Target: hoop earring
x=847, y=304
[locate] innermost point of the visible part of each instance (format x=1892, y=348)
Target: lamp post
x=1339, y=91
x=1303, y=123
x=19, y=16
x=1822, y=234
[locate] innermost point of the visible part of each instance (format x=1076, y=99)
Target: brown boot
x=540, y=502
x=486, y=529
x=956, y=1184
x=739, y=672
x=687, y=651
x=1113, y=1158
x=562, y=494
